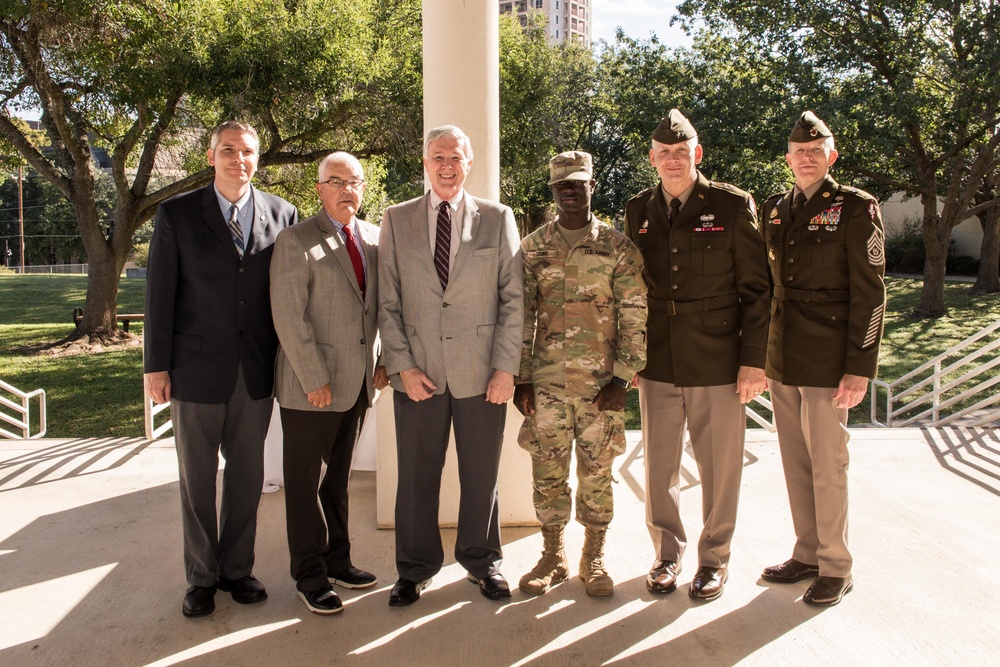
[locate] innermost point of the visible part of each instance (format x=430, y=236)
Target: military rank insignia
x=876, y=248
x=645, y=227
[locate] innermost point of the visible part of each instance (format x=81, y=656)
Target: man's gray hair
x=449, y=131
x=828, y=145
x=338, y=157
x=239, y=126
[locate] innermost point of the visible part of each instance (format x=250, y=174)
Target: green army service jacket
x=828, y=272
x=708, y=284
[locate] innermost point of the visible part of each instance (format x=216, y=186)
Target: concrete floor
x=91, y=574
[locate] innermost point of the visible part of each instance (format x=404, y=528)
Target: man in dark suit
x=324, y=291
x=825, y=248
x=209, y=351
x=451, y=312
x=707, y=331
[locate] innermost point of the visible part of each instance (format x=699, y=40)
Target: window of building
x=505, y=8
x=557, y=19
x=557, y=4
x=538, y=4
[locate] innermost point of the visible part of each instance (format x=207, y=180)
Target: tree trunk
x=937, y=240
x=988, y=279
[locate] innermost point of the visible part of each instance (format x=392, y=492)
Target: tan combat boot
x=599, y=583
x=552, y=567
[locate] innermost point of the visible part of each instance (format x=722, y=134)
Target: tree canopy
x=147, y=81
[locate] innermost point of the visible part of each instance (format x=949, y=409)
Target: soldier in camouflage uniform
x=825, y=248
x=584, y=341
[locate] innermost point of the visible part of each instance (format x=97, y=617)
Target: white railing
x=928, y=393
x=149, y=418
x=52, y=268
x=22, y=422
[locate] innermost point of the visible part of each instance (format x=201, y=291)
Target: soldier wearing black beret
x=827, y=262
x=706, y=273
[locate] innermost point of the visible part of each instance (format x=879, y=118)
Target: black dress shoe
x=828, y=591
x=353, y=577
x=708, y=583
x=662, y=578
x=199, y=601
x=493, y=586
x=789, y=572
x=405, y=592
x=245, y=590
x=323, y=601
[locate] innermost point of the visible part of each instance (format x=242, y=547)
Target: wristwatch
x=620, y=382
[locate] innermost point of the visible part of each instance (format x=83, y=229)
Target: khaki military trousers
x=717, y=424
x=813, y=436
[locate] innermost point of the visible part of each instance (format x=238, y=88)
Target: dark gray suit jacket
x=207, y=310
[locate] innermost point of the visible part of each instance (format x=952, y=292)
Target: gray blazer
x=326, y=330
x=460, y=335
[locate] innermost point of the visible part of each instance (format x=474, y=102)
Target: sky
x=638, y=18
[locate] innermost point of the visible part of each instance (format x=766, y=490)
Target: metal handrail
x=928, y=393
x=24, y=409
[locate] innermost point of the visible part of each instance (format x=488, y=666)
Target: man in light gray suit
x=324, y=292
x=450, y=313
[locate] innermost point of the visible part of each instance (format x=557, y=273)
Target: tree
x=545, y=95
x=146, y=81
x=912, y=82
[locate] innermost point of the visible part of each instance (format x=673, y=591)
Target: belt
x=700, y=305
x=821, y=296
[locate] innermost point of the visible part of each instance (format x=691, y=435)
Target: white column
x=462, y=81
x=462, y=87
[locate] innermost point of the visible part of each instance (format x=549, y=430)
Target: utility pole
x=20, y=213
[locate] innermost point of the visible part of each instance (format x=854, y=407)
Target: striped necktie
x=442, y=246
x=235, y=229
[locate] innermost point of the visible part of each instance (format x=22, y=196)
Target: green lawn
x=101, y=394
x=87, y=395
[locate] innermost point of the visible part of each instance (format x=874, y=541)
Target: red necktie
x=355, y=255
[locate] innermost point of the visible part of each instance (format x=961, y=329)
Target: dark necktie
x=798, y=205
x=675, y=210
x=234, y=228
x=355, y=255
x=442, y=246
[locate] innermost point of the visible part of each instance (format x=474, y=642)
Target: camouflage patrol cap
x=674, y=128
x=809, y=128
x=571, y=166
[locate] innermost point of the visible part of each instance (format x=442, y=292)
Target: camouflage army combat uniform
x=585, y=322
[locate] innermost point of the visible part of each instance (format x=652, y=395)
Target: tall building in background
x=568, y=20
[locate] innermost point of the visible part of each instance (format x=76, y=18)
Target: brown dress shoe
x=789, y=572
x=662, y=578
x=828, y=591
x=708, y=583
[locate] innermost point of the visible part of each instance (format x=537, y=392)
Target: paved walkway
x=90, y=573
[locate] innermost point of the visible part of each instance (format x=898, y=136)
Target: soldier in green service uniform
x=825, y=249
x=584, y=341
x=706, y=271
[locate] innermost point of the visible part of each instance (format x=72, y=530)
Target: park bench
x=124, y=318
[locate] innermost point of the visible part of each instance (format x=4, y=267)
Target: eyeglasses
x=339, y=183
